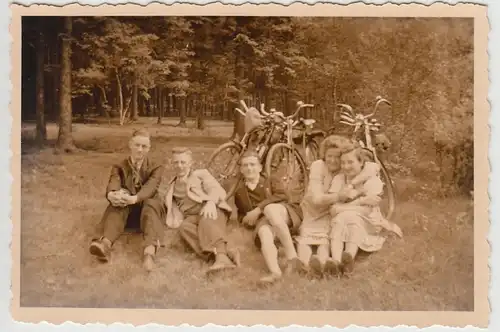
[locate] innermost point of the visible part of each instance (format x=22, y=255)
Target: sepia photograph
x=256, y=162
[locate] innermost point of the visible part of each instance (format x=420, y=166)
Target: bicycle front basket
x=252, y=119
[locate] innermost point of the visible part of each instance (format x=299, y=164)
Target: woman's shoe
x=316, y=266
x=332, y=268
x=347, y=265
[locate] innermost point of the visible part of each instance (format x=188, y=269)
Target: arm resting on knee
x=151, y=186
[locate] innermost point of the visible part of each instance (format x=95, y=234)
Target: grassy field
x=63, y=199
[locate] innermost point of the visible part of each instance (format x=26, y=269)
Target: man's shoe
x=222, y=262
x=148, y=262
x=234, y=255
x=101, y=248
x=149, y=257
x=269, y=279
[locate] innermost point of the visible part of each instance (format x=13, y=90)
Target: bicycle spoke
x=224, y=166
x=288, y=170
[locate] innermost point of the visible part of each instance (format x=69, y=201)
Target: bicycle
x=307, y=139
x=260, y=139
x=370, y=125
x=285, y=152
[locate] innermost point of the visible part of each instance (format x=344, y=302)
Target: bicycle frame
x=359, y=121
x=367, y=135
x=274, y=124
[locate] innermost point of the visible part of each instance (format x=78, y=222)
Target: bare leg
x=336, y=243
x=304, y=252
x=278, y=217
x=269, y=250
x=352, y=249
x=323, y=253
x=353, y=238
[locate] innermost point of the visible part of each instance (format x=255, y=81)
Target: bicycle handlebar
x=300, y=105
x=240, y=111
x=349, y=117
x=379, y=101
x=263, y=112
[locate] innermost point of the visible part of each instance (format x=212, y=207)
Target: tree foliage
x=202, y=66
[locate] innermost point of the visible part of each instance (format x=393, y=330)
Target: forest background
x=200, y=67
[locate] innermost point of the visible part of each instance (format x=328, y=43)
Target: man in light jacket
x=196, y=204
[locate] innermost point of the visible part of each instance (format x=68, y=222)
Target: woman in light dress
x=357, y=222
x=316, y=228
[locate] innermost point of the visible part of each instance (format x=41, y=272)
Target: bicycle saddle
x=308, y=122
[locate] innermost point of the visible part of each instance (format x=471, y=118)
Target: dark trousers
x=116, y=219
x=204, y=235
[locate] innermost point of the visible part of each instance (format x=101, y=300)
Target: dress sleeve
x=370, y=169
x=315, y=193
x=373, y=187
x=336, y=184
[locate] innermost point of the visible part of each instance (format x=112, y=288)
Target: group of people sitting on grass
x=320, y=232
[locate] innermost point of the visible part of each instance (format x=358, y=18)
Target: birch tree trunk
x=120, y=97
x=134, y=112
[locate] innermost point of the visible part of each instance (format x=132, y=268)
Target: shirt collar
x=136, y=164
x=252, y=184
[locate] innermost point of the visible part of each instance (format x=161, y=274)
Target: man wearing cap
x=131, y=185
x=272, y=216
x=195, y=204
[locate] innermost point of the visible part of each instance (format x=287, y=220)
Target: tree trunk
x=120, y=97
x=41, y=129
x=103, y=101
x=169, y=102
x=65, y=139
x=160, y=105
x=134, y=112
x=182, y=112
x=239, y=123
x=200, y=122
x=96, y=94
x=152, y=102
x=148, y=105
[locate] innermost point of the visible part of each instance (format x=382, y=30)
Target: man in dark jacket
x=132, y=183
x=272, y=216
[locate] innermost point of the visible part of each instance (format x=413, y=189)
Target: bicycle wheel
x=311, y=153
x=223, y=165
x=286, y=171
x=388, y=203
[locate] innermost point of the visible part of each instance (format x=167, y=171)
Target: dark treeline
x=125, y=67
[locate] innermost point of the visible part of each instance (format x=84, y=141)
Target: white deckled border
x=6, y=179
